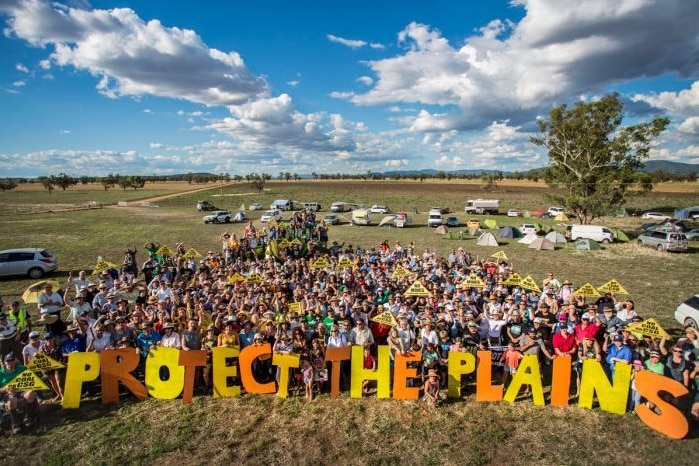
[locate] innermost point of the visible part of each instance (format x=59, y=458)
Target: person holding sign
x=52, y=350
x=14, y=398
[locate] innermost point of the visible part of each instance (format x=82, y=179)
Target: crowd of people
x=180, y=301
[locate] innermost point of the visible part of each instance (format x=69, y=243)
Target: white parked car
x=553, y=211
x=256, y=206
x=220, y=216
x=687, y=313
x=655, y=216
x=275, y=214
x=379, y=209
x=513, y=213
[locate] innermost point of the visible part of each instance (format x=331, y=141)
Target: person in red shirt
x=564, y=343
x=586, y=326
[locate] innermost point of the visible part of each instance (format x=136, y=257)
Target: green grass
x=263, y=429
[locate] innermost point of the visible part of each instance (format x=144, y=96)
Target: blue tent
x=510, y=232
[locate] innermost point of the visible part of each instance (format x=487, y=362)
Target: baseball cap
x=10, y=357
x=618, y=338
x=33, y=334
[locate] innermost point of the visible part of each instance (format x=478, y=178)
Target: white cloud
x=366, y=80
x=19, y=83
x=275, y=121
x=397, y=163
x=352, y=43
x=65, y=132
x=684, y=103
x=133, y=57
x=293, y=83
x=21, y=68
x=556, y=52
x=377, y=46
x=45, y=64
x=690, y=125
x=148, y=111
x=341, y=95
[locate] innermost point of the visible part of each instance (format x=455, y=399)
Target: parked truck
x=482, y=206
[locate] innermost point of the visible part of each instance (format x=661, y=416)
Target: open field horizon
x=263, y=429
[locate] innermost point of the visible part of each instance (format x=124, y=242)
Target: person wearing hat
x=75, y=341
x=21, y=318
x=170, y=338
x=617, y=353
x=431, y=388
x=50, y=301
x=50, y=348
x=99, y=338
x=77, y=306
x=145, y=340
x=32, y=348
x=13, y=400
x=229, y=337
x=100, y=299
x=9, y=336
x=563, y=342
x=655, y=364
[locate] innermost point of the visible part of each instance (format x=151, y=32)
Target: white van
x=595, y=232
x=434, y=219
x=361, y=217
x=282, y=204
x=311, y=206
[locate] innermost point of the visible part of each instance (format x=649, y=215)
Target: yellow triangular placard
x=345, y=263
x=235, y=278
x=399, y=272
x=500, y=255
x=528, y=283
x=385, y=318
x=472, y=281
x=321, y=263
x=271, y=223
x=254, y=278
x=296, y=241
x=612, y=286
x=514, y=279
x=165, y=251
x=41, y=362
x=284, y=243
x=101, y=266
x=25, y=381
x=191, y=254
x=587, y=291
x=417, y=289
x=648, y=327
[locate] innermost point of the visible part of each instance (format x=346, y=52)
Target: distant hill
x=670, y=167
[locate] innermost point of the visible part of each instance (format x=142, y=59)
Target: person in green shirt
x=14, y=400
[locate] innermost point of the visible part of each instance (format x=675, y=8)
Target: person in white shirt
x=170, y=338
x=80, y=283
x=99, y=340
x=50, y=302
x=31, y=348
x=362, y=335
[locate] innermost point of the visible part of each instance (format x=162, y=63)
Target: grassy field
x=266, y=430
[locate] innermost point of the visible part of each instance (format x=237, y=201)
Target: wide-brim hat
x=152, y=300
x=169, y=325
x=432, y=373
x=48, y=319
x=72, y=328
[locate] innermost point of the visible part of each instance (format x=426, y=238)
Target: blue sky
x=138, y=87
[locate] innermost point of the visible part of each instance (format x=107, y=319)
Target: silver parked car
x=34, y=262
x=663, y=240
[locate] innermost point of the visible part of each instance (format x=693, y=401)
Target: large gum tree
x=593, y=158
